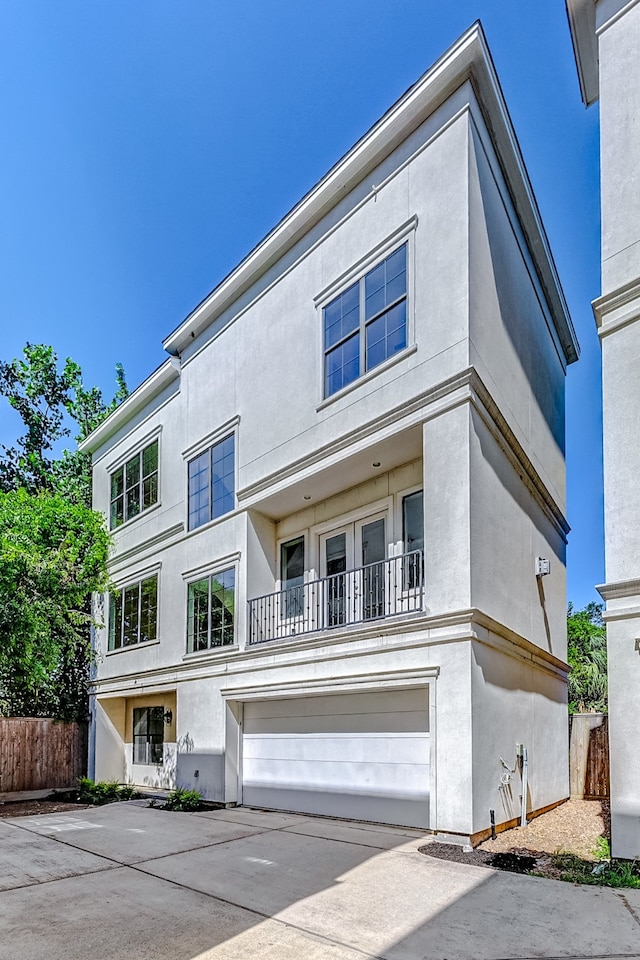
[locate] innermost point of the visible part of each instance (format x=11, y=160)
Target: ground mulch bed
x=572, y=828
x=37, y=808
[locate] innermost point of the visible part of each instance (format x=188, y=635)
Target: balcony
x=387, y=588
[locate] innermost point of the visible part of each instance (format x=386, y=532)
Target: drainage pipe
x=525, y=772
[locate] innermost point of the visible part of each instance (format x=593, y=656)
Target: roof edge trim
x=582, y=24
x=136, y=401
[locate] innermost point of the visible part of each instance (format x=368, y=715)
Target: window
x=148, y=735
x=292, y=569
x=134, y=486
x=212, y=483
x=413, y=537
x=367, y=323
x=133, y=614
x=211, y=611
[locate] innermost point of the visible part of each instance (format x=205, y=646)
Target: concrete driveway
x=126, y=881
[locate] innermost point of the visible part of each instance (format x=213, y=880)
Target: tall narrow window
x=211, y=611
x=148, y=735
x=212, y=483
x=292, y=569
x=134, y=486
x=133, y=614
x=367, y=323
x=413, y=535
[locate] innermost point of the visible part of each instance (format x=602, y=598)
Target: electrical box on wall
x=543, y=567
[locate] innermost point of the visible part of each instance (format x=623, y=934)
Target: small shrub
x=104, y=791
x=184, y=800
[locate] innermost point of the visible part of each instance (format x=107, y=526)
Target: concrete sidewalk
x=126, y=881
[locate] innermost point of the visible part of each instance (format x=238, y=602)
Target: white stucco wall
x=304, y=463
x=619, y=66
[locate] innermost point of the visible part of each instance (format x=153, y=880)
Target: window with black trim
x=133, y=614
x=211, y=611
x=292, y=579
x=148, y=735
x=413, y=537
x=367, y=323
x=212, y=491
x=134, y=486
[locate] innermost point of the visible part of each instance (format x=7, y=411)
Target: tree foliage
x=53, y=554
x=53, y=547
x=587, y=657
x=47, y=399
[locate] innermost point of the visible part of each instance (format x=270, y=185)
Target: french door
x=353, y=569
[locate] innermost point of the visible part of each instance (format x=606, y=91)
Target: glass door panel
x=373, y=546
x=335, y=569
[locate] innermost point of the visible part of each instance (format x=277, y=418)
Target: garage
x=363, y=756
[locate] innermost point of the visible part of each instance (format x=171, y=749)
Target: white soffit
x=468, y=58
x=582, y=23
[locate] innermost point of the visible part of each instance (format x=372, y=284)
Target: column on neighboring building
x=618, y=315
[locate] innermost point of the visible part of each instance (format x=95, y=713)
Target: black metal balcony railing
x=388, y=588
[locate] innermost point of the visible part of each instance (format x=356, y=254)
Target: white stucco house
x=606, y=39
x=334, y=503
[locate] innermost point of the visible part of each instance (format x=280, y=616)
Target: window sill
x=129, y=523
x=212, y=523
x=132, y=646
x=214, y=653
x=369, y=375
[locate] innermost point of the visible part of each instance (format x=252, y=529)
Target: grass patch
x=606, y=873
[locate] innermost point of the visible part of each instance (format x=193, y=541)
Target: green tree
x=53, y=548
x=48, y=399
x=53, y=555
x=587, y=657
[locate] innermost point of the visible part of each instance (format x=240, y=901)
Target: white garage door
x=361, y=756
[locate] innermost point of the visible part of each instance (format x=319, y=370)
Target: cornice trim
x=515, y=453
x=460, y=625
x=396, y=414
x=617, y=309
x=619, y=589
x=470, y=388
x=136, y=551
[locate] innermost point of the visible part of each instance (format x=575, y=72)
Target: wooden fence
x=589, y=756
x=41, y=754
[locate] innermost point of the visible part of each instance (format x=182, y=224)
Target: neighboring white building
x=606, y=39
x=329, y=503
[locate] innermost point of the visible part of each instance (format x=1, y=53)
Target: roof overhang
x=468, y=59
x=582, y=23
x=165, y=374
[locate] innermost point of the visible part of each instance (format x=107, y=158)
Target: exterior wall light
x=168, y=717
x=637, y=646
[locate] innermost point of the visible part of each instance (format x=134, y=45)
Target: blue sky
x=147, y=147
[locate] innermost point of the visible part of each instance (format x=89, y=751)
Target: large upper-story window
x=211, y=611
x=133, y=614
x=212, y=482
x=367, y=323
x=134, y=486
